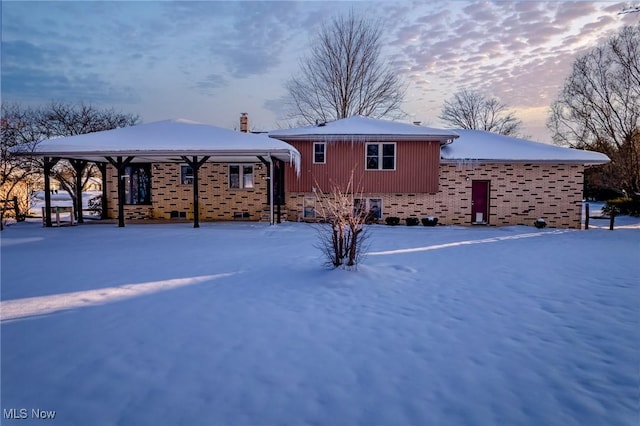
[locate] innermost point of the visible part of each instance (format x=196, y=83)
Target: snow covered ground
x=239, y=324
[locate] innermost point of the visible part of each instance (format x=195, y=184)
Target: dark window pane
x=137, y=187
x=375, y=207
x=372, y=157
x=372, y=163
x=318, y=152
x=186, y=175
x=127, y=185
x=388, y=163
x=247, y=176
x=388, y=156
x=359, y=206
x=144, y=184
x=309, y=206
x=234, y=176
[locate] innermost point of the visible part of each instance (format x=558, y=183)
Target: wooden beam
x=78, y=167
x=103, y=171
x=49, y=162
x=278, y=174
x=120, y=164
x=195, y=166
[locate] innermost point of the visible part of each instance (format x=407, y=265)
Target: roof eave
x=443, y=139
x=161, y=153
x=524, y=161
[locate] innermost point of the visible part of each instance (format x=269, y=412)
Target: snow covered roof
x=487, y=146
x=360, y=127
x=166, y=141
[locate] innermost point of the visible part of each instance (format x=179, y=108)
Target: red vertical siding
x=417, y=167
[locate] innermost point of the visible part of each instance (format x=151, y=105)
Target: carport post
x=120, y=166
x=78, y=167
x=195, y=165
x=103, y=170
x=586, y=216
x=271, y=176
x=49, y=162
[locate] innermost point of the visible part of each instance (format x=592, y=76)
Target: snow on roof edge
x=479, y=145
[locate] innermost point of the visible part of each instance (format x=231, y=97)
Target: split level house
x=177, y=169
x=462, y=177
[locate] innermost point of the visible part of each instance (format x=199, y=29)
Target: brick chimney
x=244, y=122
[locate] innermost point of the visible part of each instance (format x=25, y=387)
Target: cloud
x=278, y=106
x=31, y=72
x=246, y=38
x=33, y=84
x=519, y=51
x=20, y=52
x=210, y=83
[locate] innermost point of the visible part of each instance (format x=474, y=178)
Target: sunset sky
x=209, y=61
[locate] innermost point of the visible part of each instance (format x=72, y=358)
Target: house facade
x=461, y=177
x=177, y=169
x=164, y=190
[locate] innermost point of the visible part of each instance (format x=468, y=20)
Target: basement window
x=309, y=208
x=365, y=206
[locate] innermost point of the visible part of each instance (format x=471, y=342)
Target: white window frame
x=367, y=204
x=305, y=201
x=184, y=177
x=380, y=156
x=324, y=153
x=241, y=183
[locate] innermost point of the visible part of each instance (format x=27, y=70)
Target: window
x=137, y=184
x=381, y=156
x=186, y=174
x=319, y=152
x=240, y=176
x=359, y=206
x=309, y=208
x=366, y=206
x=375, y=207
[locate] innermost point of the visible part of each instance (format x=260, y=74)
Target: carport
x=168, y=141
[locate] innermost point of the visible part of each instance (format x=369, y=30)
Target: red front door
x=480, y=201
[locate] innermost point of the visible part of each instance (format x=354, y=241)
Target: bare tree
x=344, y=75
x=599, y=107
x=472, y=110
x=343, y=236
x=25, y=127
x=18, y=174
x=630, y=9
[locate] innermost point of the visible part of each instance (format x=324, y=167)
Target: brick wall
x=217, y=201
x=519, y=194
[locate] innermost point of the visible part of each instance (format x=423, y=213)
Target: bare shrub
x=342, y=237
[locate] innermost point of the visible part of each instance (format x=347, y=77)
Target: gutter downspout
x=270, y=189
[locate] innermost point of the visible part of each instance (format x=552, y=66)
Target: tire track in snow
x=41, y=305
x=467, y=242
